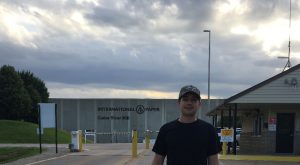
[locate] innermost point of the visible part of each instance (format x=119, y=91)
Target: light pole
x=208, y=67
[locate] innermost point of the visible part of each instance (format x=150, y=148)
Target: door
x=285, y=132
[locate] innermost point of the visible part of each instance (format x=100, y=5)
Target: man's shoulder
x=205, y=124
x=169, y=125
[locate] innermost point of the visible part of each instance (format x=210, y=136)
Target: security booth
x=76, y=141
x=270, y=115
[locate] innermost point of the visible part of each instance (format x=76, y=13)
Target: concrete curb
x=261, y=158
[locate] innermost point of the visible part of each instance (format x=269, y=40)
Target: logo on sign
x=140, y=109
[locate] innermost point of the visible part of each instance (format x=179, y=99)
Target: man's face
x=189, y=104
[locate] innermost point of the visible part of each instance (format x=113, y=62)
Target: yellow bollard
x=80, y=140
x=134, y=143
x=224, y=148
x=147, y=139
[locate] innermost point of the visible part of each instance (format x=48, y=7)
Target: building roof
x=234, y=97
x=255, y=87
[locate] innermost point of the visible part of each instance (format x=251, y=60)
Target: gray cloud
x=143, y=57
x=146, y=71
x=105, y=16
x=270, y=9
x=194, y=10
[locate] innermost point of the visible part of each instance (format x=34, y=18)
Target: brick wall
x=264, y=144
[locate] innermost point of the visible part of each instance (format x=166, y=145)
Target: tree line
x=20, y=92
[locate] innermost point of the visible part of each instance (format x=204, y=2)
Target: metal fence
x=117, y=137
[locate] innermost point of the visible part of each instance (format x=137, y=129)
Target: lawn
x=8, y=154
x=25, y=132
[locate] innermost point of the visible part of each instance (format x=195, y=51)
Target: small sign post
x=226, y=136
x=47, y=119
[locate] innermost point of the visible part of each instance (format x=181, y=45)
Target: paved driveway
x=94, y=154
x=113, y=154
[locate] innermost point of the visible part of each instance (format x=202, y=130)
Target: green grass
x=8, y=154
x=25, y=132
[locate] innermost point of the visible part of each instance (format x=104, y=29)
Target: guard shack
x=270, y=115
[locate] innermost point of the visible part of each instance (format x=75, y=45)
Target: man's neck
x=187, y=119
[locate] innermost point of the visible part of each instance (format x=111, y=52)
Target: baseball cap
x=189, y=89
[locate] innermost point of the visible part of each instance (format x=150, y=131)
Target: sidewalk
x=272, y=158
x=145, y=158
x=35, y=145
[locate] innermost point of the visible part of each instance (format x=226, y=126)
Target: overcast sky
x=147, y=48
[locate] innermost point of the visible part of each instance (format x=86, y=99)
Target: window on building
x=257, y=123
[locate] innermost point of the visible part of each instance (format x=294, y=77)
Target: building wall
x=266, y=142
x=108, y=116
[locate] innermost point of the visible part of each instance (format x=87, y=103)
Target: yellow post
x=224, y=148
x=134, y=143
x=147, y=139
x=80, y=140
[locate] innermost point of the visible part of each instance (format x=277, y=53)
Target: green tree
x=37, y=91
x=15, y=101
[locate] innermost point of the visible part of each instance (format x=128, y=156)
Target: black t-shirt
x=186, y=143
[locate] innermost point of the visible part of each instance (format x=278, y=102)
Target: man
x=187, y=140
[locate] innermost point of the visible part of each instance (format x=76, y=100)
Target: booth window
x=257, y=123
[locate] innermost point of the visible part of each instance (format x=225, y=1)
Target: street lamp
x=208, y=67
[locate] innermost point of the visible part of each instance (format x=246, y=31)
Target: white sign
x=272, y=127
x=226, y=135
x=272, y=122
x=47, y=117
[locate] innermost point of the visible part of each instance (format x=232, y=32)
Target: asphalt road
x=88, y=159
x=114, y=154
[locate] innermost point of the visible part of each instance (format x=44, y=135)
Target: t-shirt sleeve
x=160, y=146
x=213, y=147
